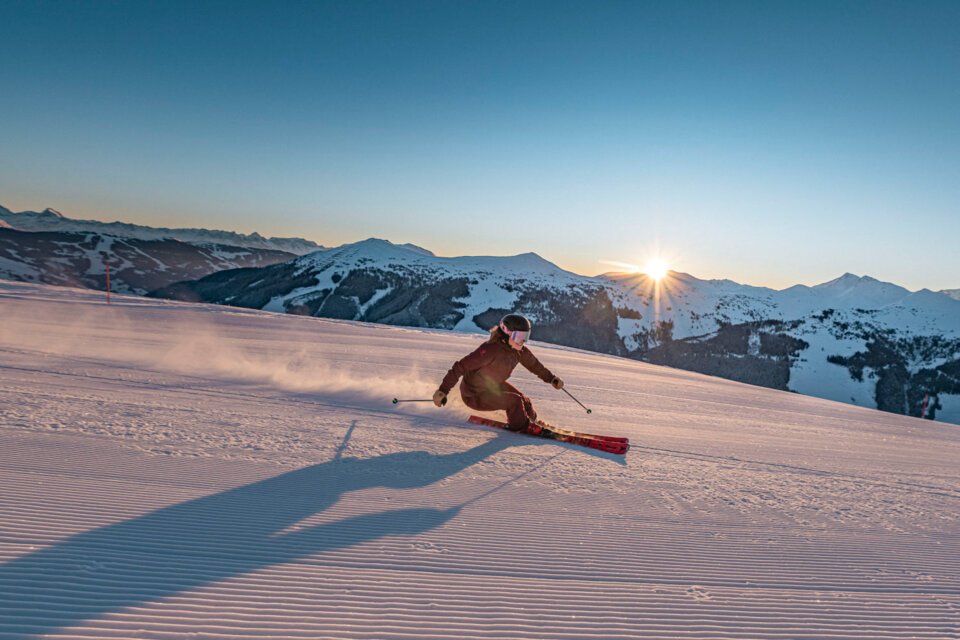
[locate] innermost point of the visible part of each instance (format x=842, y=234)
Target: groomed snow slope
x=170, y=470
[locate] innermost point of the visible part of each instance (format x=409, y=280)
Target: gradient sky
x=771, y=143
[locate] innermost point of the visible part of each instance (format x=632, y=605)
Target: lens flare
x=657, y=269
x=626, y=266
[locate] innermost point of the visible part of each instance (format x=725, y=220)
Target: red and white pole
x=108, y=279
x=923, y=413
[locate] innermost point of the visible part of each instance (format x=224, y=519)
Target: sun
x=657, y=269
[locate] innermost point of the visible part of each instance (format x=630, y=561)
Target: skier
x=485, y=373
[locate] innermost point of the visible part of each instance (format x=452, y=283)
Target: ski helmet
x=517, y=328
x=515, y=322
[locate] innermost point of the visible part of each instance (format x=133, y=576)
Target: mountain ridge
x=137, y=266
x=52, y=220
x=34, y=221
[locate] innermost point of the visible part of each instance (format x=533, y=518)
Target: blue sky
x=772, y=143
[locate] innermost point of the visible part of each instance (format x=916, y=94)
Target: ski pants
x=507, y=398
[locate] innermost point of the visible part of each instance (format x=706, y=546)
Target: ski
x=619, y=448
x=611, y=444
x=569, y=432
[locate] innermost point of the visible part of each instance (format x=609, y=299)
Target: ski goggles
x=517, y=337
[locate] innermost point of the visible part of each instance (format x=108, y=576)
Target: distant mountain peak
x=381, y=245
x=49, y=211
x=851, y=280
x=418, y=249
x=532, y=258
x=846, y=280
x=372, y=242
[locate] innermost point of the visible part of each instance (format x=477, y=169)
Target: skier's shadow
x=187, y=545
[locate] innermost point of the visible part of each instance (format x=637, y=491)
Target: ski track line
x=75, y=473
x=347, y=594
x=380, y=617
x=493, y=547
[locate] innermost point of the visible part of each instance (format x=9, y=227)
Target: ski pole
x=577, y=401
x=398, y=401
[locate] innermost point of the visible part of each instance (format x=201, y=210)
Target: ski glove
x=557, y=383
x=439, y=398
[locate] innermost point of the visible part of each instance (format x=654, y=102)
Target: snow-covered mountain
x=853, y=339
x=53, y=220
x=136, y=265
x=377, y=281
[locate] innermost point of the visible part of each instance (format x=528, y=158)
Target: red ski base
x=619, y=446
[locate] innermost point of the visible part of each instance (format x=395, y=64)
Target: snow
x=486, y=294
x=279, y=303
x=627, y=328
x=379, y=295
x=221, y=253
x=18, y=268
x=813, y=375
x=174, y=470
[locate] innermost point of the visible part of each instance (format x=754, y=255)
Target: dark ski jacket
x=484, y=370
